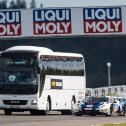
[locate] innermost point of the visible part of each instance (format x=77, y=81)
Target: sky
x=78, y=3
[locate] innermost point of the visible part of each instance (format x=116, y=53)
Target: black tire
x=66, y=112
x=124, y=111
x=7, y=112
x=69, y=112
x=92, y=114
x=48, y=108
x=42, y=112
x=73, y=101
x=111, y=109
x=78, y=113
x=35, y=112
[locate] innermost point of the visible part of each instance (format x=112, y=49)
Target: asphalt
x=56, y=119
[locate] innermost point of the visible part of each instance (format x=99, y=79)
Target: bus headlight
x=33, y=102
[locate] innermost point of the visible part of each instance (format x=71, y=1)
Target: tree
x=21, y=4
x=33, y=4
x=18, y=2
x=41, y=5
x=12, y=5
x=0, y=5
x=3, y=4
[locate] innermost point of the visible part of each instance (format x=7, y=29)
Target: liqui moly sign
x=102, y=20
x=10, y=23
x=52, y=21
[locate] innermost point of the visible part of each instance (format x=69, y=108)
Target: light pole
x=109, y=73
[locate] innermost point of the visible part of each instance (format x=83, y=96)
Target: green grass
x=115, y=124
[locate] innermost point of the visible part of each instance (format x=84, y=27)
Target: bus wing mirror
x=38, y=70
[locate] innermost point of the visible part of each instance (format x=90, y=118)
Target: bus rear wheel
x=7, y=112
x=69, y=112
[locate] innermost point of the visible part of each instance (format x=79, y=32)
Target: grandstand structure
x=119, y=90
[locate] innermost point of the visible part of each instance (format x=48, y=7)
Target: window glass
x=121, y=89
x=103, y=91
x=109, y=90
x=115, y=90
x=58, y=65
x=72, y=66
x=65, y=67
x=80, y=67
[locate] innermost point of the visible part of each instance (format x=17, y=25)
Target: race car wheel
x=124, y=111
x=92, y=114
x=110, y=111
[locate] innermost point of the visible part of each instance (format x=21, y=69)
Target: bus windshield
x=17, y=71
x=18, y=74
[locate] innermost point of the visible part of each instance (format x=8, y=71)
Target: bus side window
x=65, y=67
x=73, y=68
x=58, y=68
x=80, y=67
x=44, y=66
x=51, y=68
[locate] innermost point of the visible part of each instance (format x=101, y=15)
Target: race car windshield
x=97, y=99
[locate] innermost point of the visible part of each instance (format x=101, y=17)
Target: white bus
x=38, y=80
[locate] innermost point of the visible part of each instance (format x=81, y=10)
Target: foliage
x=13, y=5
x=3, y=4
x=41, y=5
x=33, y=4
x=17, y=4
x=21, y=4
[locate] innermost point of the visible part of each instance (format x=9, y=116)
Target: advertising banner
x=52, y=21
x=63, y=22
x=102, y=20
x=10, y=23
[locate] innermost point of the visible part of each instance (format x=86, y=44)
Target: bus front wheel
x=7, y=112
x=48, y=108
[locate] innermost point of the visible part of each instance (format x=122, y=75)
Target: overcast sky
x=78, y=3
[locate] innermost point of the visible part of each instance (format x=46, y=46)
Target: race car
x=104, y=105
x=119, y=106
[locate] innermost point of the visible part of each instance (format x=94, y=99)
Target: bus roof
x=29, y=48
x=62, y=54
x=42, y=51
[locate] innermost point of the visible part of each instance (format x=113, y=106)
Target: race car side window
x=111, y=100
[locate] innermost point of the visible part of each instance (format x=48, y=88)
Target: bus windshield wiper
x=2, y=86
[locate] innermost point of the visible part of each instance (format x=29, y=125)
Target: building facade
x=112, y=90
